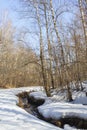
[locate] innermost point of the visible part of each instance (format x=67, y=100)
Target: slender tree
x=84, y=19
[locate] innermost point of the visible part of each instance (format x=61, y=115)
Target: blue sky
x=12, y=6
x=9, y=6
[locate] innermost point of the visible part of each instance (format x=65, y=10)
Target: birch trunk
x=84, y=22
x=49, y=47
x=41, y=50
x=61, y=47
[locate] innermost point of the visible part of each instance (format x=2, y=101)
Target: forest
x=59, y=59
x=43, y=65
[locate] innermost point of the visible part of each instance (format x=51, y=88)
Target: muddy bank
x=30, y=104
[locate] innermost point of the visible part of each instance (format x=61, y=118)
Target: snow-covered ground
x=62, y=110
x=13, y=117
x=38, y=95
x=56, y=106
x=54, y=109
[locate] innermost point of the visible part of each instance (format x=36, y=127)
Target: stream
x=30, y=105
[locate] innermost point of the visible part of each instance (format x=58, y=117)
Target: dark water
x=72, y=121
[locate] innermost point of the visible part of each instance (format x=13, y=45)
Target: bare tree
x=83, y=12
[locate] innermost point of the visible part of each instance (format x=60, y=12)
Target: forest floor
x=55, y=108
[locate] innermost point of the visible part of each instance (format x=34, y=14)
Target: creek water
x=31, y=108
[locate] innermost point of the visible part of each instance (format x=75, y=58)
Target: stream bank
x=30, y=104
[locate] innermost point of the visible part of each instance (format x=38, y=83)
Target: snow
x=56, y=107
x=81, y=100
x=67, y=127
x=61, y=110
x=38, y=95
x=13, y=117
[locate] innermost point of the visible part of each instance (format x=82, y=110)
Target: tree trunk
x=84, y=22
x=57, y=33
x=62, y=61
x=49, y=47
x=41, y=52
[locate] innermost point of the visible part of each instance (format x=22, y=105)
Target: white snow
x=57, y=107
x=54, y=109
x=61, y=110
x=67, y=127
x=38, y=95
x=81, y=100
x=13, y=117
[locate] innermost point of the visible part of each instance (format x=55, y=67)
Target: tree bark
x=49, y=46
x=41, y=52
x=84, y=22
